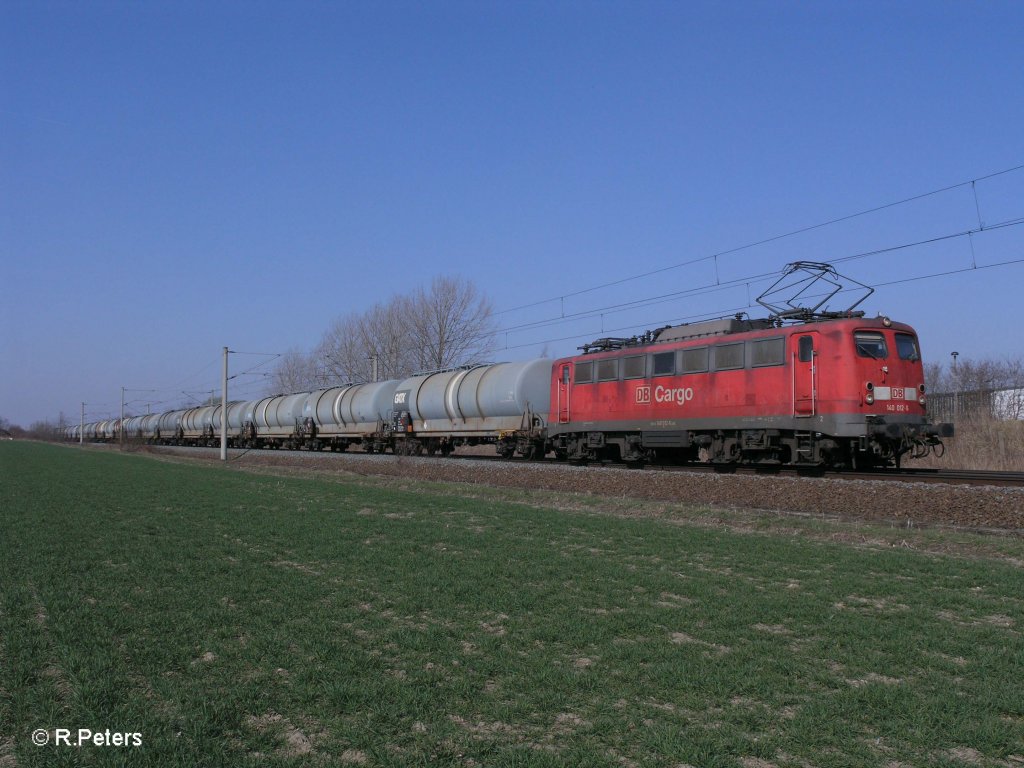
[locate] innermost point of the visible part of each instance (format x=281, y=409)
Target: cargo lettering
x=679, y=395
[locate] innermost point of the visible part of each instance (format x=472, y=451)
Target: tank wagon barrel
x=502, y=403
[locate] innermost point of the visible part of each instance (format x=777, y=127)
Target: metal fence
x=991, y=403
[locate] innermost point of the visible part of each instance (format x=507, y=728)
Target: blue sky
x=176, y=177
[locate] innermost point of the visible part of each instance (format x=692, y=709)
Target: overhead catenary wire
x=718, y=285
x=775, y=238
x=746, y=279
x=95, y=415
x=726, y=312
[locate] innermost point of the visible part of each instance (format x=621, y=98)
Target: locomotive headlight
x=869, y=398
x=921, y=399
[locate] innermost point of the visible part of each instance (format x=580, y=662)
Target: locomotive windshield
x=906, y=347
x=870, y=344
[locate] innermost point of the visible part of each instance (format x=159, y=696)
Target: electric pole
x=224, y=412
x=956, y=385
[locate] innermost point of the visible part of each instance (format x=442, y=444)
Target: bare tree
x=935, y=378
x=352, y=343
x=450, y=324
x=43, y=430
x=385, y=335
x=295, y=372
x=975, y=376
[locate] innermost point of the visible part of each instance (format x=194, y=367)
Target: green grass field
x=240, y=619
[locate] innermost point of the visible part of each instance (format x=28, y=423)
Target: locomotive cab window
x=728, y=357
x=634, y=367
x=906, y=347
x=871, y=344
x=664, y=363
x=693, y=360
x=805, y=352
x=584, y=373
x=767, y=352
x=608, y=370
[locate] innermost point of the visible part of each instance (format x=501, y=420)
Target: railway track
x=976, y=501
x=906, y=475
x=955, y=477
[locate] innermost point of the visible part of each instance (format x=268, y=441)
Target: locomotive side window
x=906, y=347
x=664, y=363
x=768, y=352
x=728, y=357
x=584, y=373
x=805, y=353
x=693, y=360
x=634, y=367
x=870, y=344
x=608, y=370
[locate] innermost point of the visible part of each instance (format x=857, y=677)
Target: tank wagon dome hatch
x=801, y=295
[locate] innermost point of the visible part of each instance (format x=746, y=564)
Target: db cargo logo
x=677, y=395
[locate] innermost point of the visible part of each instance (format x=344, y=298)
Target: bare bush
x=982, y=442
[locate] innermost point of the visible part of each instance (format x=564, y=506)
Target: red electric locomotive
x=835, y=389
